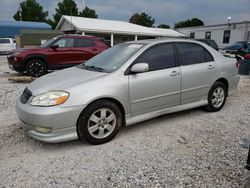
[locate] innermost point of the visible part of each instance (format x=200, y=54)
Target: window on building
x=208, y=35
x=192, y=35
x=159, y=57
x=226, y=36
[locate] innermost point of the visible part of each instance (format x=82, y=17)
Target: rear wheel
x=36, y=68
x=216, y=97
x=99, y=122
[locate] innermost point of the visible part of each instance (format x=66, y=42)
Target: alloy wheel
x=36, y=69
x=218, y=97
x=102, y=123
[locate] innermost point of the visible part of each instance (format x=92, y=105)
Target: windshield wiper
x=92, y=67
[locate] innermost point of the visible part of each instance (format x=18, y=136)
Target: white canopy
x=112, y=26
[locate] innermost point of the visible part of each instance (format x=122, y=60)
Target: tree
x=88, y=13
x=66, y=7
x=142, y=19
x=31, y=11
x=189, y=23
x=164, y=26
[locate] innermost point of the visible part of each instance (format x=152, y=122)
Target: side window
x=159, y=57
x=65, y=42
x=208, y=56
x=190, y=53
x=80, y=42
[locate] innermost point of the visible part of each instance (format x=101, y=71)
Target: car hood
x=61, y=80
x=20, y=50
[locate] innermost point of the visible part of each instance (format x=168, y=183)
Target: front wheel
x=36, y=68
x=216, y=97
x=99, y=122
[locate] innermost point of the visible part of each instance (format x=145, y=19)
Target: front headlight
x=51, y=98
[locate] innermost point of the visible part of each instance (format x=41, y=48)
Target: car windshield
x=48, y=42
x=113, y=58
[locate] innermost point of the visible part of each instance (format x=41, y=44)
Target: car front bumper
x=61, y=120
x=14, y=64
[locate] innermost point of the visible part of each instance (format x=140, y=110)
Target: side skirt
x=143, y=117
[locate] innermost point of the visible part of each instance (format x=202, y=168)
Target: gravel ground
x=193, y=148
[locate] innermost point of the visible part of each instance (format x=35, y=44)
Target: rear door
x=198, y=70
x=84, y=49
x=160, y=87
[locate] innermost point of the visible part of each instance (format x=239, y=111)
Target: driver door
x=160, y=87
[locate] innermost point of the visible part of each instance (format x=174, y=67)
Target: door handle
x=210, y=67
x=174, y=73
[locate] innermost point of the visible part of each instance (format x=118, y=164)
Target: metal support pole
x=112, y=39
x=136, y=38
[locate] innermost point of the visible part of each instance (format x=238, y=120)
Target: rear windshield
x=4, y=41
x=213, y=44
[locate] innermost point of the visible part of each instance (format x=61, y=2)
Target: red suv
x=57, y=53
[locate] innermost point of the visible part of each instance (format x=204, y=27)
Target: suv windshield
x=113, y=58
x=48, y=42
x=4, y=41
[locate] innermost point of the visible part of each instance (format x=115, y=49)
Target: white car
x=6, y=45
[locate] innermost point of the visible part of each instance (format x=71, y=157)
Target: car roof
x=78, y=36
x=156, y=41
x=204, y=39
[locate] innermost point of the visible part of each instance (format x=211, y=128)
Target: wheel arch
x=36, y=56
x=225, y=82
x=115, y=101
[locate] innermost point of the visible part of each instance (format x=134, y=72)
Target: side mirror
x=54, y=47
x=139, y=68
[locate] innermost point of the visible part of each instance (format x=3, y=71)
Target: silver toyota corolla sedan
x=124, y=85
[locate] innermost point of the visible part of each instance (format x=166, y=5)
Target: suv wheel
x=99, y=122
x=216, y=97
x=36, y=68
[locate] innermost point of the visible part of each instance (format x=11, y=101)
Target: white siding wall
x=238, y=33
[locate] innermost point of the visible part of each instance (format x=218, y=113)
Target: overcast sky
x=163, y=11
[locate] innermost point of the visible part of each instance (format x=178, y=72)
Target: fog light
x=43, y=129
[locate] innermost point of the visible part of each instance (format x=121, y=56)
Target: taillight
x=237, y=65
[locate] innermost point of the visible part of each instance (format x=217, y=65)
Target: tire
x=99, y=122
x=216, y=97
x=36, y=68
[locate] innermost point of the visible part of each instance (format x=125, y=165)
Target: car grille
x=25, y=96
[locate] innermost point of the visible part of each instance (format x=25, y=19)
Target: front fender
x=85, y=94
